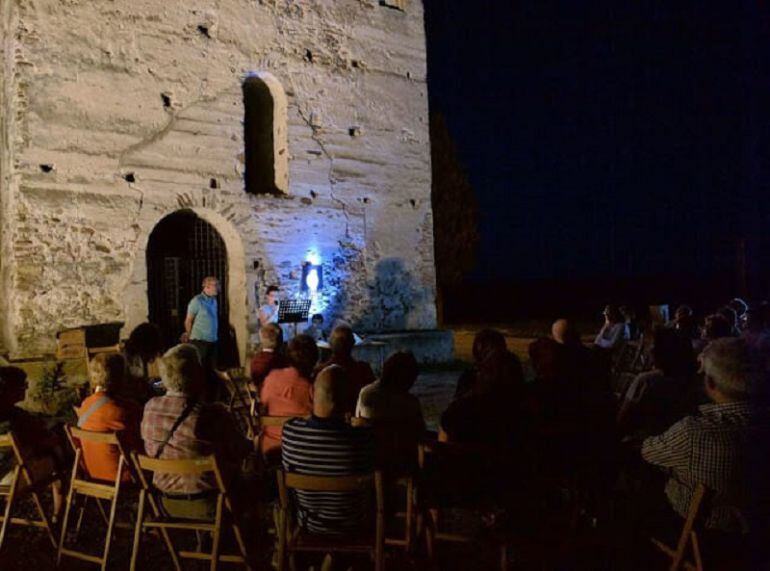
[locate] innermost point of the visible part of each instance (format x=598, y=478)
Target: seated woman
x=396, y=414
x=614, y=331
x=37, y=444
x=106, y=410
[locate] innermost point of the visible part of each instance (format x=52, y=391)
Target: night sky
x=604, y=138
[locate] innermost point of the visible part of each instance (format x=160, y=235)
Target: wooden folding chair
x=81, y=484
x=224, y=508
x=263, y=421
x=400, y=477
x=293, y=539
x=446, y=470
x=240, y=401
x=20, y=486
x=689, y=536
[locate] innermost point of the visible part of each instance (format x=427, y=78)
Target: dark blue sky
x=603, y=138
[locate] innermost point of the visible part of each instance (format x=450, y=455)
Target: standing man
x=201, y=326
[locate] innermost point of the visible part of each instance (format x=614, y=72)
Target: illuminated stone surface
x=116, y=114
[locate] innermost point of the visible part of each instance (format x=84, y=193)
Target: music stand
x=293, y=311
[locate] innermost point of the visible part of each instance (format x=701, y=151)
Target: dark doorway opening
x=182, y=250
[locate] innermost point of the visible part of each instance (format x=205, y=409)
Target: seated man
x=359, y=373
x=181, y=425
x=710, y=447
x=106, y=410
x=289, y=391
x=485, y=342
x=40, y=446
x=397, y=415
x=326, y=445
x=269, y=356
x=316, y=328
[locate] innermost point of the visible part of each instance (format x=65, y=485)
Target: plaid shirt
x=207, y=429
x=709, y=448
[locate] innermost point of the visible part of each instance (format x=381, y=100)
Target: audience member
x=574, y=404
x=270, y=354
x=486, y=342
x=655, y=399
x=715, y=326
x=288, y=391
x=359, y=373
x=316, y=328
x=396, y=414
x=144, y=345
x=326, y=445
x=108, y=410
x=731, y=316
x=493, y=412
x=180, y=425
x=614, y=331
x=31, y=435
x=684, y=322
x=709, y=446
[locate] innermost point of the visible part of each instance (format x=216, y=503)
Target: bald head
x=330, y=392
x=563, y=332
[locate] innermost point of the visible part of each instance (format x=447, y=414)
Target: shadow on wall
x=392, y=296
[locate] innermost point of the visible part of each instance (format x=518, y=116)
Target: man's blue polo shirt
x=206, y=321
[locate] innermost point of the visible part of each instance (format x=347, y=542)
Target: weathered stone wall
x=107, y=89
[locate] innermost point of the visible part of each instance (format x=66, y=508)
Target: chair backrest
x=265, y=420
x=180, y=467
x=6, y=441
x=328, y=483
x=77, y=436
x=353, y=483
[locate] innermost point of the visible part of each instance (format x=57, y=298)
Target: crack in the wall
x=330, y=175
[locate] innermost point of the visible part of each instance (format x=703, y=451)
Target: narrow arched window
x=259, y=116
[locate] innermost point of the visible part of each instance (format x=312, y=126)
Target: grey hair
x=726, y=361
x=179, y=367
x=270, y=336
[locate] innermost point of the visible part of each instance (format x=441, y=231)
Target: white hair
x=727, y=362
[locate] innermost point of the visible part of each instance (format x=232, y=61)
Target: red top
x=264, y=362
x=101, y=459
x=285, y=392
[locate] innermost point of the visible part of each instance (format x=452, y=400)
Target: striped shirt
x=708, y=448
x=327, y=447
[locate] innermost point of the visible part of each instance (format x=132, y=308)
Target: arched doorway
x=182, y=250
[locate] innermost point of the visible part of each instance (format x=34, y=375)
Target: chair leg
x=138, y=530
x=696, y=552
x=164, y=533
x=239, y=541
x=282, y=531
x=81, y=513
x=63, y=533
x=101, y=510
x=409, y=515
x=9, y=507
x=44, y=519
x=110, y=526
x=217, y=533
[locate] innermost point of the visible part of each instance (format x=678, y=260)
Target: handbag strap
x=177, y=423
x=99, y=403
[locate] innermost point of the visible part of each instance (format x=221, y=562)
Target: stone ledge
x=429, y=347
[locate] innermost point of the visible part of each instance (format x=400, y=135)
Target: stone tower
x=119, y=114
